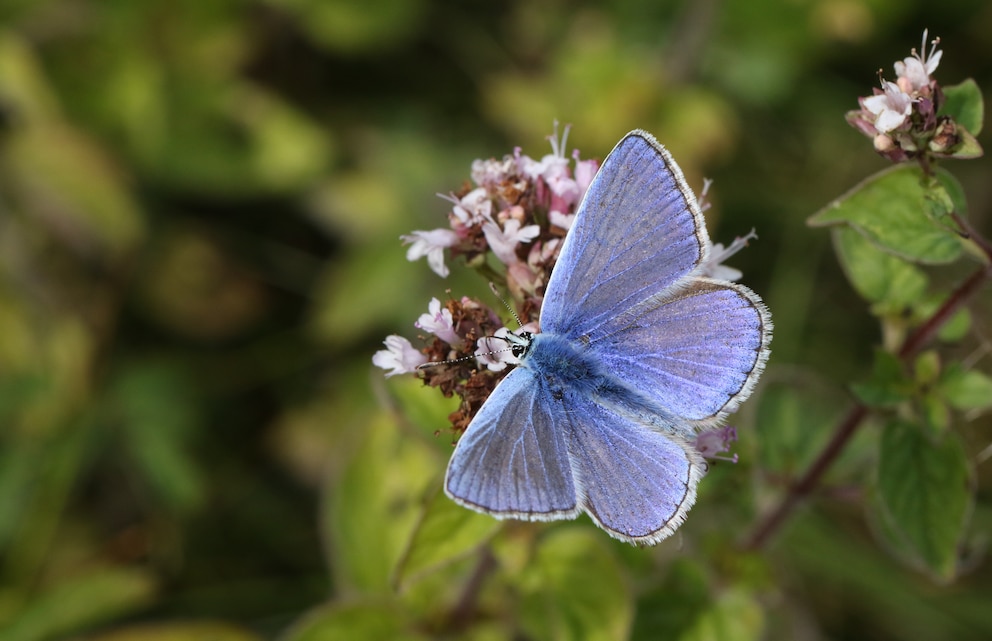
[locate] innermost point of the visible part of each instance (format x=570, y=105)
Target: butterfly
x=637, y=352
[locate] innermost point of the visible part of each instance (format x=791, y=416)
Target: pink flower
x=711, y=443
x=585, y=171
x=472, y=208
x=713, y=266
x=703, y=200
x=399, y=356
x=431, y=244
x=439, y=322
x=495, y=352
x=890, y=108
x=559, y=219
x=914, y=71
x=554, y=170
x=492, y=172
x=503, y=242
x=553, y=165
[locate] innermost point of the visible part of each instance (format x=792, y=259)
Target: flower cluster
x=509, y=226
x=902, y=118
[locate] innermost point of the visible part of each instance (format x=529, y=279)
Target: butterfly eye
x=522, y=345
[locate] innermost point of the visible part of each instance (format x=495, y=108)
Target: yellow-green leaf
x=445, y=532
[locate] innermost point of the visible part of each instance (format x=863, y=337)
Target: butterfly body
x=565, y=366
x=638, y=352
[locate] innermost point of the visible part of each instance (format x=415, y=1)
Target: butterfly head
x=520, y=343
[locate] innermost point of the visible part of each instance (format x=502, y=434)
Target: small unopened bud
x=946, y=136
x=883, y=143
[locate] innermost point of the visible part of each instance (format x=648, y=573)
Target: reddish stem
x=802, y=488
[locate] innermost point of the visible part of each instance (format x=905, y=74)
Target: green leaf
x=927, y=367
x=425, y=408
x=373, y=280
x=343, y=26
x=794, y=420
x=156, y=411
x=967, y=148
x=684, y=608
x=963, y=102
x=966, y=389
x=183, y=631
x=898, y=211
x=923, y=487
x=673, y=605
x=446, y=532
x=889, y=384
x=955, y=191
x=63, y=172
x=936, y=414
x=374, y=505
x=79, y=602
x=362, y=621
x=736, y=615
x=25, y=86
x=956, y=327
x=879, y=277
x=574, y=590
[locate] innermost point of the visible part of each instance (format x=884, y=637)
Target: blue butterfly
x=637, y=352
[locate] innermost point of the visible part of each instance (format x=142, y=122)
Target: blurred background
x=200, y=211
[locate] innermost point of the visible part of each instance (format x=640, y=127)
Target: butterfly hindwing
x=637, y=483
x=696, y=352
x=512, y=461
x=638, y=231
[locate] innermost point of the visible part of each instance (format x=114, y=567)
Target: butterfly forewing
x=512, y=460
x=638, y=232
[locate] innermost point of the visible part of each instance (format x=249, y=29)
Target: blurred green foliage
x=200, y=205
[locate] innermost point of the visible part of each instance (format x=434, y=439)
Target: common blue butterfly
x=637, y=352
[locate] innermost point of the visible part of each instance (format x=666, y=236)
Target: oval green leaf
x=879, y=277
x=963, y=102
x=923, y=487
x=898, y=211
x=966, y=389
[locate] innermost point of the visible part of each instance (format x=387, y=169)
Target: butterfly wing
x=696, y=352
x=637, y=232
x=636, y=483
x=512, y=461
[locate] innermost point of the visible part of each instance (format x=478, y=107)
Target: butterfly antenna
x=492, y=288
x=471, y=356
x=512, y=345
x=447, y=362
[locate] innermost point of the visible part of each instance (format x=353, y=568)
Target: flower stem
x=970, y=233
x=464, y=610
x=804, y=486
x=771, y=523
